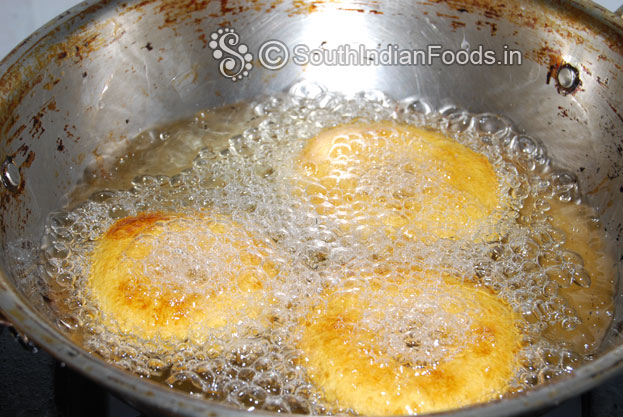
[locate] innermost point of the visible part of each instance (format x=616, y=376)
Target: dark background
x=35, y=384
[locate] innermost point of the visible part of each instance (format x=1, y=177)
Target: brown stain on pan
x=493, y=26
x=570, y=23
x=8, y=197
x=615, y=111
x=176, y=11
x=456, y=24
x=29, y=160
x=566, y=21
x=360, y=10
x=308, y=7
x=23, y=76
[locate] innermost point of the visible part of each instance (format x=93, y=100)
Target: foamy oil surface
x=547, y=256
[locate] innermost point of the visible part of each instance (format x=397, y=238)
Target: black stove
x=37, y=385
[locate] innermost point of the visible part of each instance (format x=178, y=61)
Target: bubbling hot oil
x=548, y=258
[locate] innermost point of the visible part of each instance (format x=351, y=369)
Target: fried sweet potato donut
x=176, y=277
x=399, y=177
x=394, y=348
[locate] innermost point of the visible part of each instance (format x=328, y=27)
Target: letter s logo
x=236, y=64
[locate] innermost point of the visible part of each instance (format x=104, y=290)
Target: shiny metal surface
x=80, y=88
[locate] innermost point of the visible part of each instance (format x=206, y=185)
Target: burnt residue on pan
x=569, y=23
x=23, y=76
x=88, y=33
